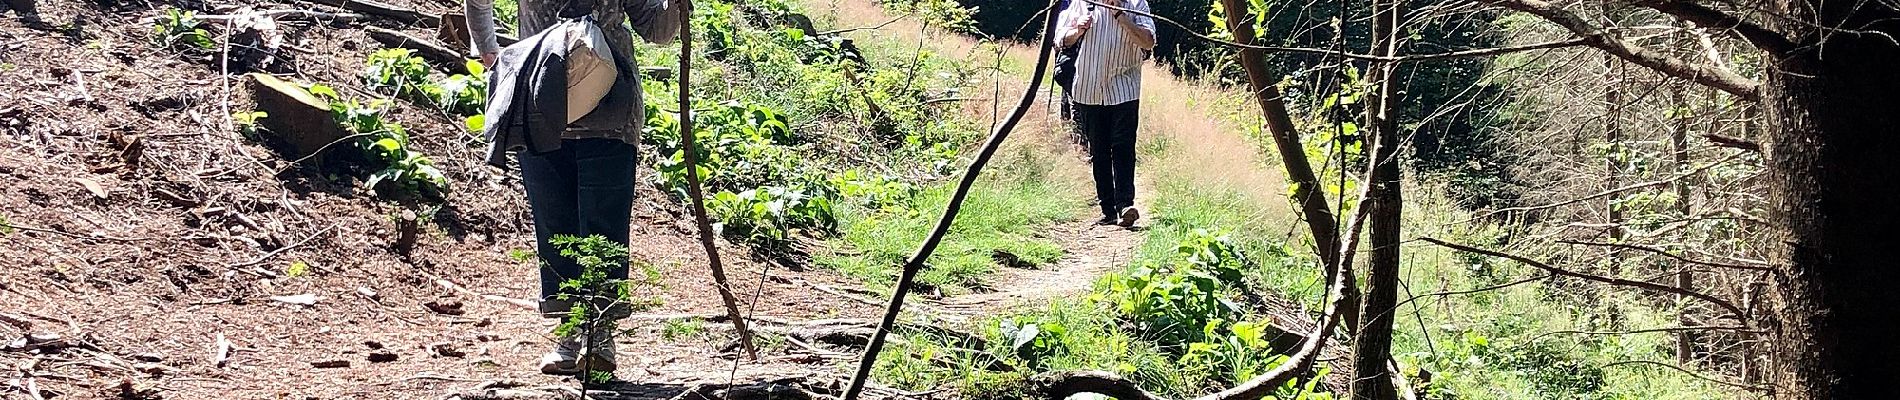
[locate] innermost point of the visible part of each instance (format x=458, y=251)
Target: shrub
x=385, y=145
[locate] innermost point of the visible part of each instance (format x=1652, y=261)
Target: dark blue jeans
x=1110, y=131
x=583, y=189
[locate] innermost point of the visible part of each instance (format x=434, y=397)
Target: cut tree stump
x=296, y=119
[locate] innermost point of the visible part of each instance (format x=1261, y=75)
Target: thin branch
x=1721, y=79
x=1690, y=373
x=1671, y=255
x=1733, y=143
x=863, y=28
x=1598, y=195
x=1650, y=330
x=1706, y=17
x=1478, y=290
x=1355, y=56
x=1724, y=304
x=280, y=250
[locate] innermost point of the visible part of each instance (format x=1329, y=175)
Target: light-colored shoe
x=600, y=353
x=564, y=359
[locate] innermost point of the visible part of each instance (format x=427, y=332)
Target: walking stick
x=687, y=136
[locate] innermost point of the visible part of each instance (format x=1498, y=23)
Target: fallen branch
x=444, y=59
x=384, y=10
x=1724, y=304
x=294, y=15
x=861, y=28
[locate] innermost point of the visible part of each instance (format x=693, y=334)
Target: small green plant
x=247, y=122
x=297, y=269
x=181, y=29
x=386, y=146
x=599, y=300
x=396, y=70
x=1034, y=342
x=6, y=228
x=521, y=255
x=677, y=329
x=400, y=72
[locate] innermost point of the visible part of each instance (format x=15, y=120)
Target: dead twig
x=1672, y=255
x=273, y=253
x=863, y=28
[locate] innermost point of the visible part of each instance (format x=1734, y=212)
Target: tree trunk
x=1685, y=279
x=1374, y=345
x=1320, y=219
x=1835, y=156
x=1613, y=161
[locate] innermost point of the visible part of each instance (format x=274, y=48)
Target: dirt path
x=1092, y=251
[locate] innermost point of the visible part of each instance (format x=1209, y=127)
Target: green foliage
x=1183, y=302
x=768, y=214
x=594, y=293
x=508, y=13
x=398, y=71
x=385, y=145
x=1032, y=341
x=6, y=228
x=179, y=29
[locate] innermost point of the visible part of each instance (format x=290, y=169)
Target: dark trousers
x=583, y=189
x=1110, y=131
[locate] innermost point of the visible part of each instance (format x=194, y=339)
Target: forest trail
x=162, y=278
x=1202, y=151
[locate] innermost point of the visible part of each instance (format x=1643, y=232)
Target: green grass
x=1004, y=212
x=679, y=329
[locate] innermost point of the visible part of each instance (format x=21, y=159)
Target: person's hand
x=1083, y=23
x=488, y=60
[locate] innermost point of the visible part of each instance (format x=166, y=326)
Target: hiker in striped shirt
x=1107, y=92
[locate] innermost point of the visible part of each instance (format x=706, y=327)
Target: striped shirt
x=1108, y=66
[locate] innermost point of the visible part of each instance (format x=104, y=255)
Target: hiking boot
x=1105, y=221
x=600, y=353
x=1128, y=216
x=564, y=360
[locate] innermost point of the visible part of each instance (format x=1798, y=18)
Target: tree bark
x=1373, y=348
x=1834, y=160
x=1307, y=194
